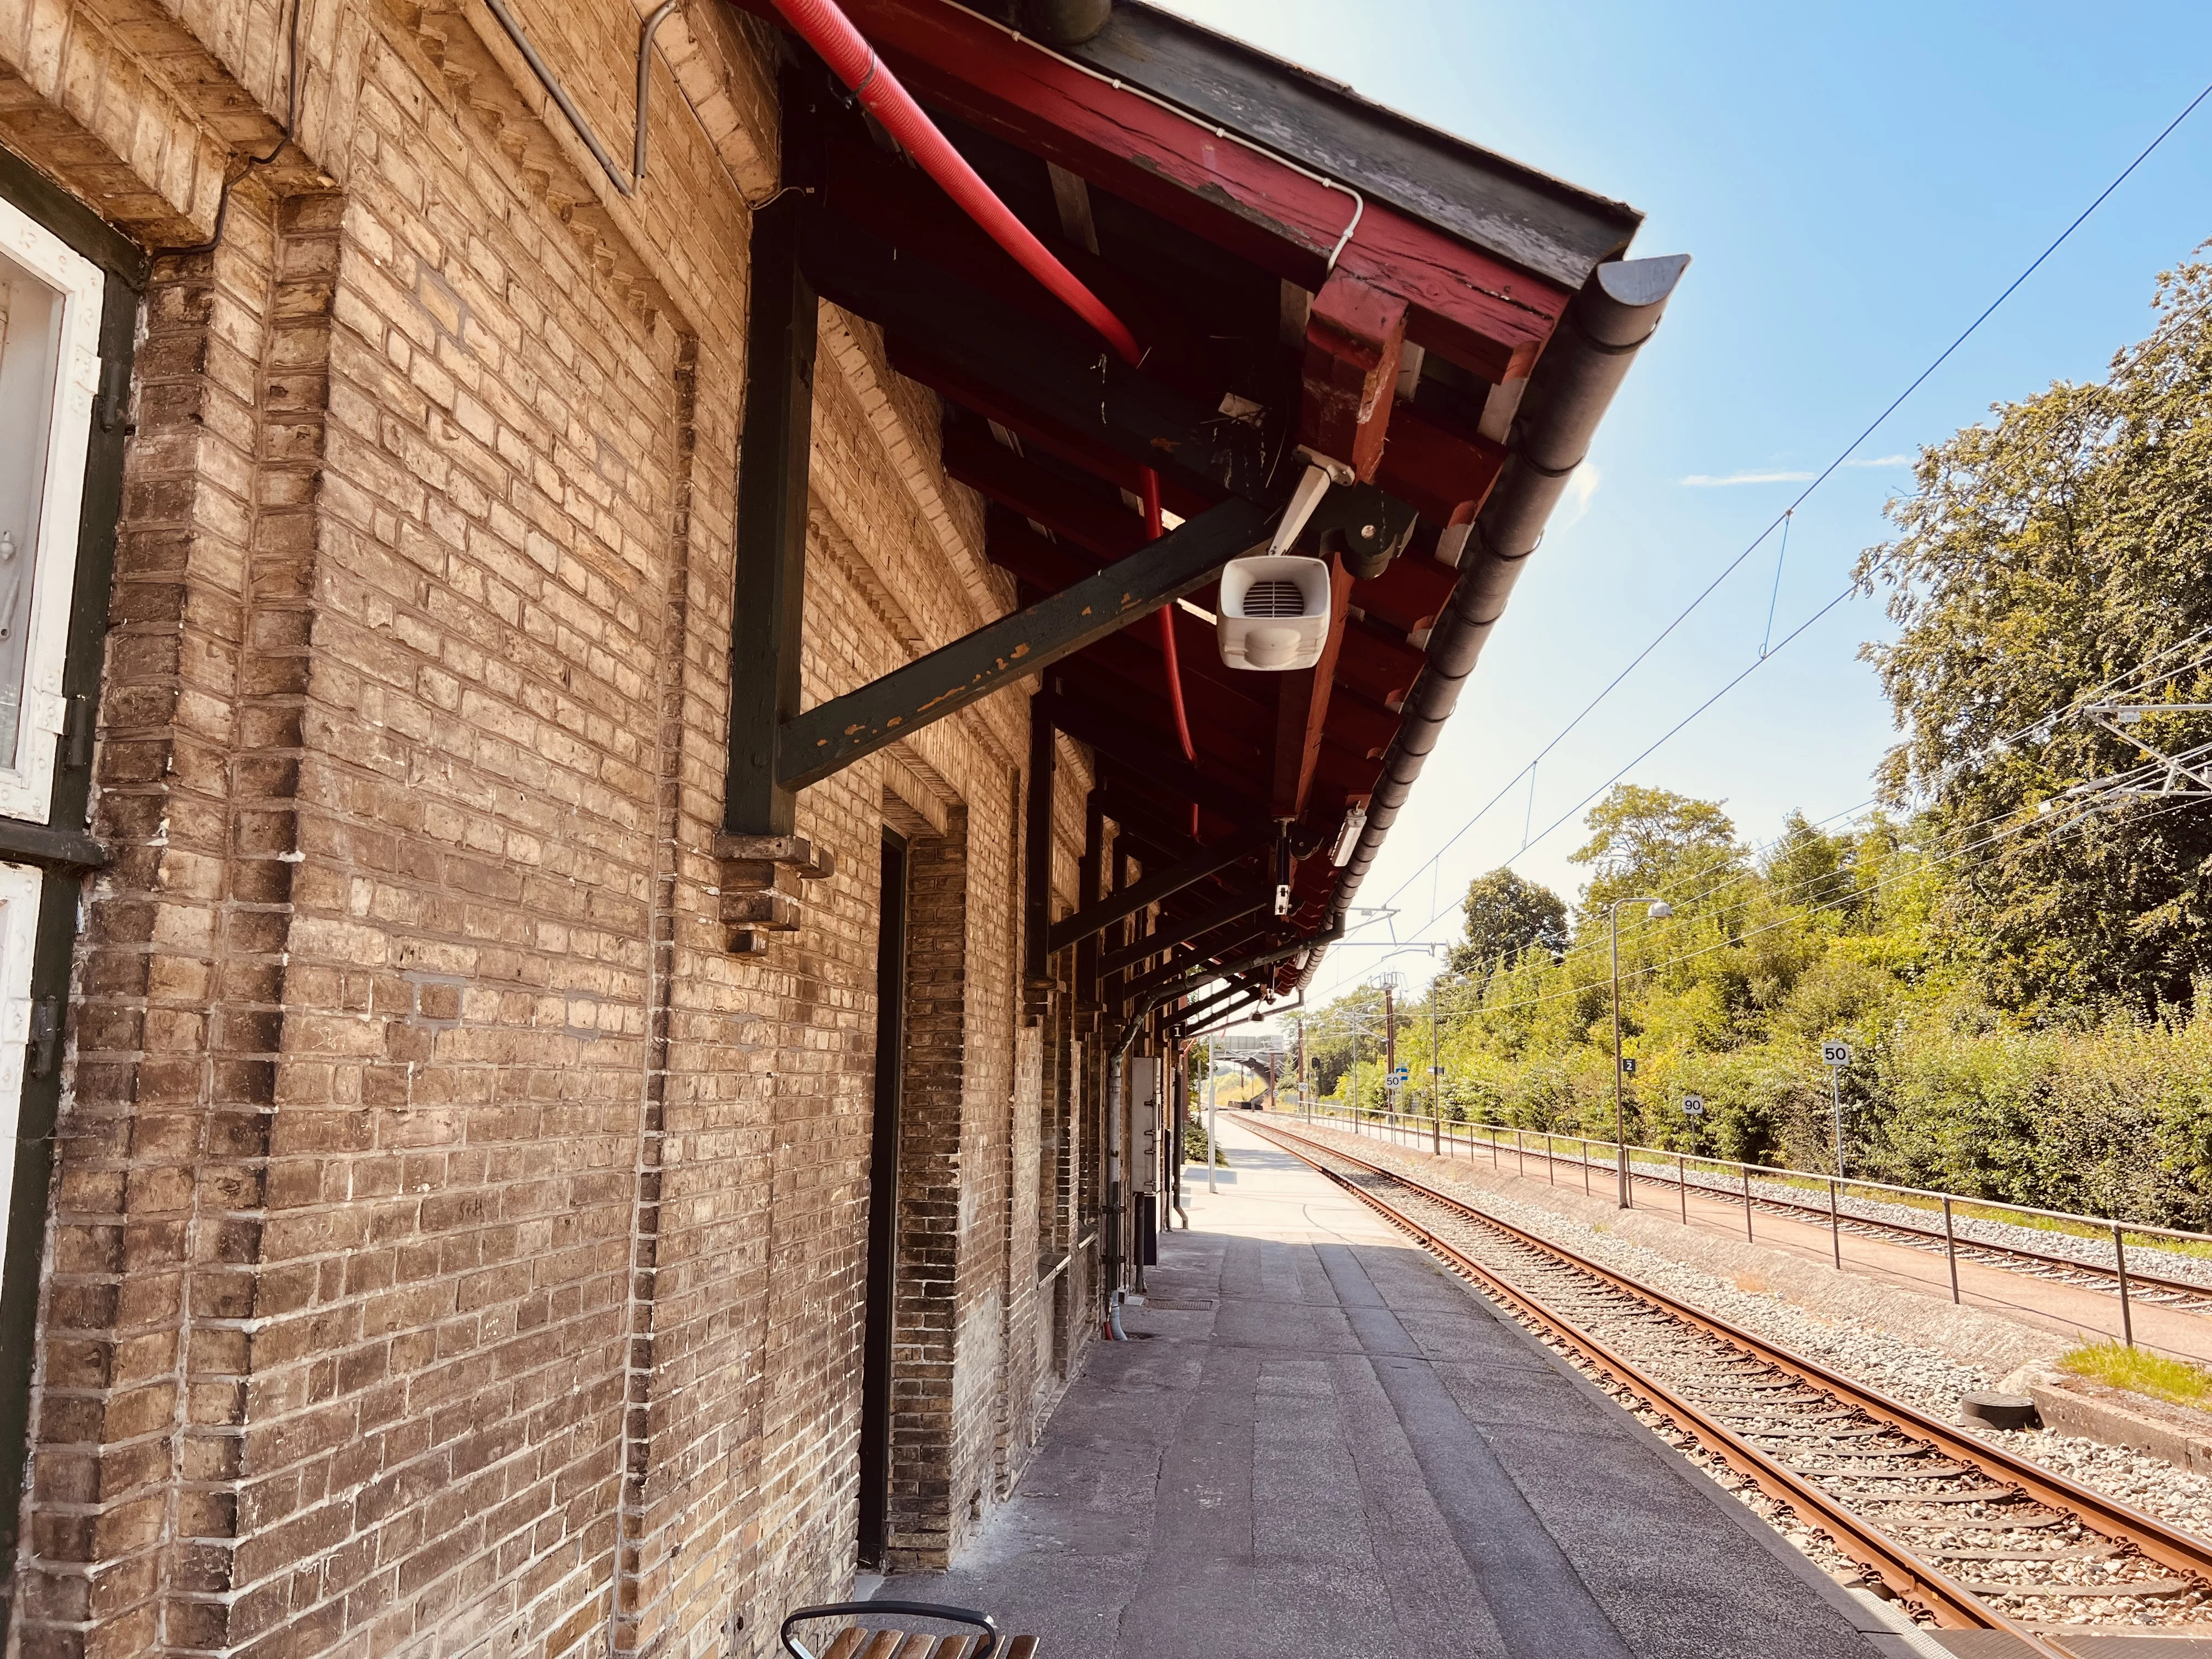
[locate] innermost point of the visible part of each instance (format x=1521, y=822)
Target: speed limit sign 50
x=1835, y=1053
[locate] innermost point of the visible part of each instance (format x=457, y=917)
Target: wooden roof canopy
x=1302, y=267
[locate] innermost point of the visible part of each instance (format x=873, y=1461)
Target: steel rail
x=1867, y=1224
x=1905, y=1573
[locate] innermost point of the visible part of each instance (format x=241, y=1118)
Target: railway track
x=2142, y=1284
x=1970, y=1536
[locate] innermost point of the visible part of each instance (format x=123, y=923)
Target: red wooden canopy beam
x=1435, y=469
x=1355, y=336
x=1301, y=708
x=862, y=185
x=1053, y=437
x=1362, y=725
x=1094, y=517
x=1478, y=311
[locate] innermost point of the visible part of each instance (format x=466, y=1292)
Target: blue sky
x=1854, y=184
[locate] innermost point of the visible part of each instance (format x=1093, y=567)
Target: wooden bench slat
x=854, y=1643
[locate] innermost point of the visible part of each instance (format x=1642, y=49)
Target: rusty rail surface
x=1951, y=1602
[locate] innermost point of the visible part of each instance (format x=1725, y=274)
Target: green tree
x=1811, y=867
x=1507, y=914
x=1645, y=841
x=2062, y=548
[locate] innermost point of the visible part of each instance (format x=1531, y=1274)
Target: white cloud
x=1710, y=481
x=1705, y=481
x=1580, y=488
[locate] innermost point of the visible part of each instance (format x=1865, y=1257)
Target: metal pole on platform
x=1682, y=1179
x=1551, y=1175
x=1212, y=1147
x=1746, y=1168
x=2120, y=1261
x=1836, y=1234
x=1951, y=1247
x=1586, y=1166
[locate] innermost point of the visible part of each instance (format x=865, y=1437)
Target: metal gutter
x=1548, y=227
x=1574, y=382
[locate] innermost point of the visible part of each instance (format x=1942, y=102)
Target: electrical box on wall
x=1145, y=1074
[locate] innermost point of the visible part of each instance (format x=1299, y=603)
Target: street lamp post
x=1659, y=912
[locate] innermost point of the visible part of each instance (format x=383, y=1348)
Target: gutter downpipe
x=826, y=29
x=1605, y=326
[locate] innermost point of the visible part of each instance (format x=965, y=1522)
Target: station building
x=605, y=857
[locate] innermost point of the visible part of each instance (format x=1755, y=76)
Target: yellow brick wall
x=455, y=1249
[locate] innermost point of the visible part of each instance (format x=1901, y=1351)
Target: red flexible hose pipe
x=1152, y=532
x=830, y=31
x=823, y=25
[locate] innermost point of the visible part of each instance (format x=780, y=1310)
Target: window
x=50, y=301
x=19, y=927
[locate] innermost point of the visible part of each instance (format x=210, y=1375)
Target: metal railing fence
x=1689, y=1172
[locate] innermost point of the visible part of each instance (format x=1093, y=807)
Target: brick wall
x=454, y=1250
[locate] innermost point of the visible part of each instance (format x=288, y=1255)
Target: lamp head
x=1661, y=911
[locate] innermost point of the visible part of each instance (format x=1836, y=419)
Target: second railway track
x=1972, y=1537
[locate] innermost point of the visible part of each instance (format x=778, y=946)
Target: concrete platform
x=1321, y=1444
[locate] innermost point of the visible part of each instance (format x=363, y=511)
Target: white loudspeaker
x=1274, y=611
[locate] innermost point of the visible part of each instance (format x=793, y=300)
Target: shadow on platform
x=1320, y=1443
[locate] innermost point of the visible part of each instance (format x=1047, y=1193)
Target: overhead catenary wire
x=2118, y=786
x=2057, y=827
x=2079, y=699
x=1822, y=478
x=2020, y=823
x=1917, y=867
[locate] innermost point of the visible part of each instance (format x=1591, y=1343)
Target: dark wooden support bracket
x=760, y=855
x=1037, y=982
x=1188, y=968
x=1355, y=337
x=1087, y=967
x=1069, y=379
x=831, y=736
x=771, y=524
x=1234, y=971
x=1155, y=887
x=1245, y=996
x=1237, y=987
x=1114, y=738
x=1167, y=938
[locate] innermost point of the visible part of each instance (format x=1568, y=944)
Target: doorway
x=881, y=1317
